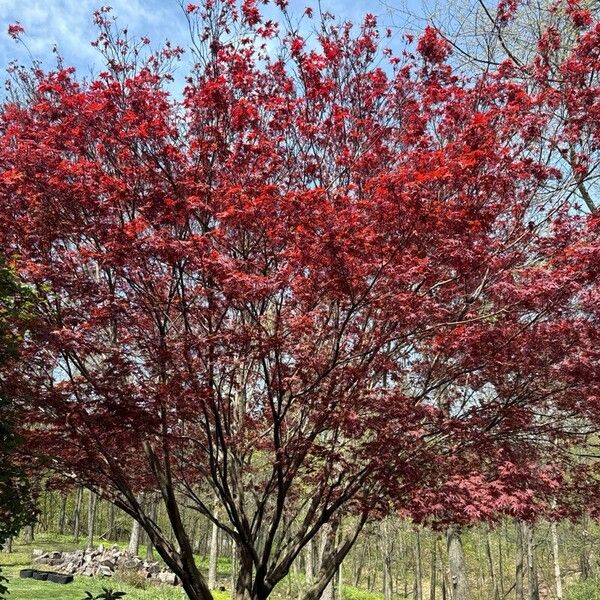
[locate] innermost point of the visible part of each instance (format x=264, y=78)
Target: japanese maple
x=321, y=280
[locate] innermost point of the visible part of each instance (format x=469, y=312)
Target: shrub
x=588, y=589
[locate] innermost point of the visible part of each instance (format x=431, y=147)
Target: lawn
x=31, y=589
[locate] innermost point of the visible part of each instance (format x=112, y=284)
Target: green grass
x=32, y=589
x=352, y=593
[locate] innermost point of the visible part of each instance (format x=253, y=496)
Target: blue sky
x=68, y=24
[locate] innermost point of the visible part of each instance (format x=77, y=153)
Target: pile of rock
x=103, y=562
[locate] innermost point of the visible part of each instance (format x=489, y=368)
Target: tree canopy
x=321, y=280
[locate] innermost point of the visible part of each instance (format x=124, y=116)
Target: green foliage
x=106, y=594
x=17, y=508
x=352, y=593
x=588, y=589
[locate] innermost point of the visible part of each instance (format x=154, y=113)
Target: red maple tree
x=320, y=281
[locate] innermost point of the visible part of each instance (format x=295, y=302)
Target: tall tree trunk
x=519, y=563
x=386, y=554
x=77, y=513
x=457, y=564
x=327, y=593
x=134, y=538
x=92, y=506
x=8, y=545
x=501, y=561
x=492, y=567
x=28, y=535
x=234, y=568
x=62, y=514
x=214, y=550
x=433, y=575
x=136, y=531
x=154, y=517
x=556, y=557
x=418, y=567
x=585, y=562
x=309, y=559
x=359, y=567
x=111, y=521
x=532, y=575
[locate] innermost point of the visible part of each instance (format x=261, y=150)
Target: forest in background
x=392, y=558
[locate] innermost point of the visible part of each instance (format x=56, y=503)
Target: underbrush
x=588, y=589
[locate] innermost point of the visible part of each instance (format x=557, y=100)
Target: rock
x=37, y=552
x=108, y=563
x=167, y=577
x=105, y=571
x=152, y=568
x=56, y=554
x=42, y=560
x=131, y=563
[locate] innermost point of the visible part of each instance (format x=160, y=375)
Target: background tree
x=16, y=503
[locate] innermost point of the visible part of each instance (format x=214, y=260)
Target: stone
x=37, y=552
x=167, y=578
x=105, y=571
x=107, y=563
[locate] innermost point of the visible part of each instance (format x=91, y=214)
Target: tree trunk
x=92, y=506
x=309, y=559
x=386, y=554
x=77, y=514
x=134, y=538
x=234, y=568
x=418, y=567
x=532, y=575
x=501, y=560
x=136, y=532
x=62, y=514
x=111, y=521
x=214, y=550
x=28, y=535
x=8, y=545
x=154, y=517
x=556, y=557
x=519, y=563
x=585, y=562
x=433, y=576
x=457, y=565
x=327, y=593
x=492, y=567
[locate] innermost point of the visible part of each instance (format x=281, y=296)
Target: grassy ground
x=31, y=589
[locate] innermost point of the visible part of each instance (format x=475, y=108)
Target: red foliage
x=310, y=273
